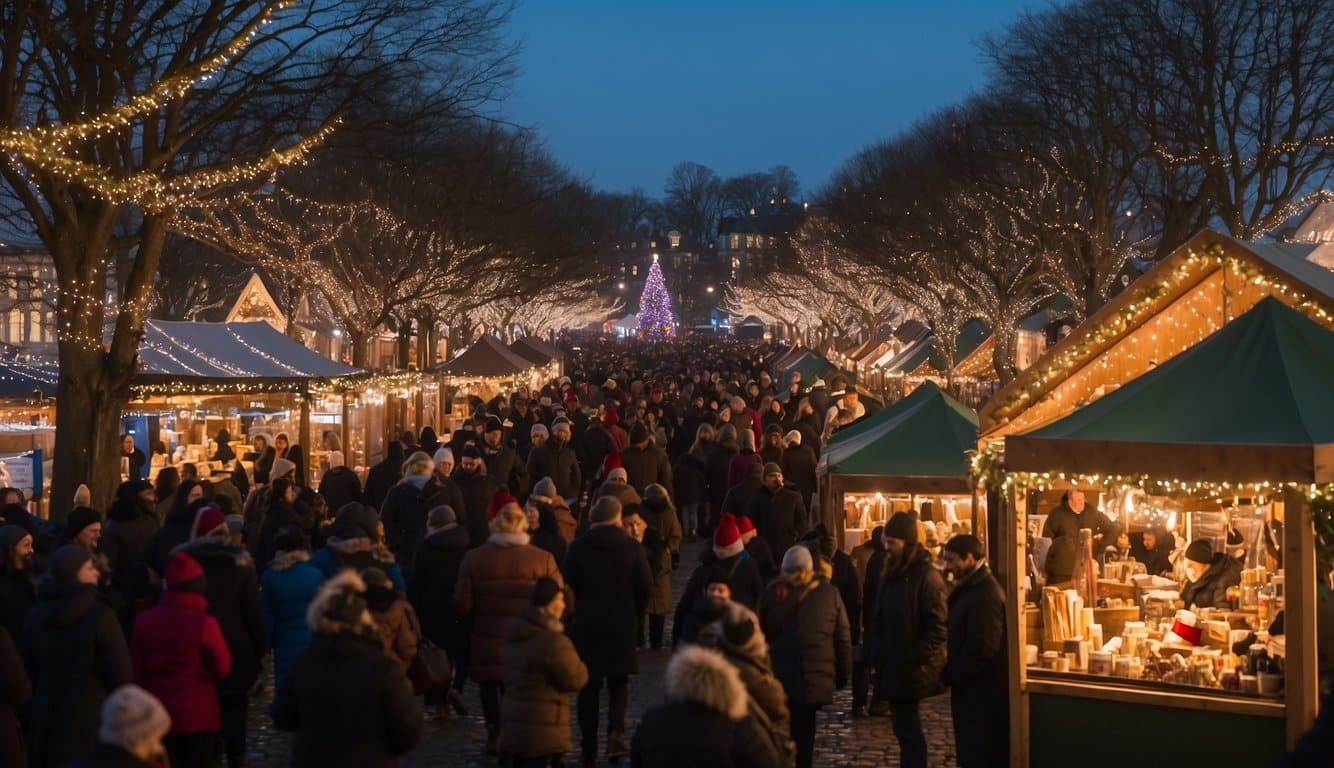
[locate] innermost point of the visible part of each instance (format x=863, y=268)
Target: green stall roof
x=923, y=435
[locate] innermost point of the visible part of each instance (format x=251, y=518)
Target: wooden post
x=1301, y=686
x=346, y=432
x=1012, y=546
x=304, y=435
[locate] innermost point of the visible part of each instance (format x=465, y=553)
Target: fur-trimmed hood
x=701, y=676
x=358, y=545
x=317, y=614
x=503, y=539
x=284, y=560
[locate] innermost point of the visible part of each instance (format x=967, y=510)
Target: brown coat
x=542, y=669
x=566, y=524
x=399, y=632
x=495, y=583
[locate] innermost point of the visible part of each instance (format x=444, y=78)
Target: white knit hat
x=793, y=437
x=280, y=469
x=131, y=716
x=444, y=454
x=797, y=558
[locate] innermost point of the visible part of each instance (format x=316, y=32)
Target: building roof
x=486, y=358
x=177, y=350
x=1260, y=382
x=535, y=350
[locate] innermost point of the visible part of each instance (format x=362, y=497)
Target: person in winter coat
x=798, y=465
x=843, y=575
x=15, y=691
x=906, y=640
x=18, y=591
x=339, y=484
x=705, y=722
x=132, y=523
x=803, y=618
x=394, y=617
x=286, y=588
x=175, y=530
x=691, y=475
x=727, y=557
x=593, y=447
x=609, y=575
x=179, y=656
x=502, y=461
x=133, y=725
x=1062, y=527
x=871, y=555
x=737, y=636
x=557, y=460
x=383, y=476
x=772, y=449
x=75, y=654
x=736, y=470
x=737, y=501
x=757, y=549
x=566, y=524
x=719, y=462
x=406, y=505
x=495, y=583
x=1208, y=575
x=976, y=669
x=356, y=541
x=644, y=461
x=431, y=592
x=478, y=486
x=281, y=514
x=233, y=599
x=542, y=669
x=777, y=511
x=660, y=515
x=543, y=528
x=346, y=700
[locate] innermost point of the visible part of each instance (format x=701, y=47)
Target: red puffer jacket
x=179, y=655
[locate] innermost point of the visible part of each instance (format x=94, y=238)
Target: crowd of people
x=531, y=552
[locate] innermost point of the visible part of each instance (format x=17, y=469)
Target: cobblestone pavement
x=459, y=742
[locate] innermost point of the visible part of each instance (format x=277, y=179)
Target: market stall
x=1224, y=449
x=909, y=456
x=482, y=371
x=540, y=354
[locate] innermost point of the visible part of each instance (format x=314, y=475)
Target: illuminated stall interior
x=479, y=373
x=1225, y=441
x=909, y=456
x=547, y=358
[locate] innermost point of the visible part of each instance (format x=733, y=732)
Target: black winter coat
x=76, y=655
x=431, y=588
x=477, y=490
x=906, y=640
x=174, y=532
x=404, y=517
x=504, y=465
x=742, y=574
x=233, y=599
x=111, y=756
x=348, y=703
x=340, y=486
x=592, y=448
x=875, y=568
x=976, y=670
x=15, y=690
x=763, y=557
x=737, y=500
x=1210, y=590
x=691, y=477
x=559, y=462
x=125, y=542
x=799, y=470
x=809, y=640
x=719, y=462
x=849, y=588
x=380, y=479
x=779, y=516
x=646, y=465
x=609, y=575
x=1062, y=527
x=17, y=597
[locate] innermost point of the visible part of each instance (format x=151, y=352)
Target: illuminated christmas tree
x=656, y=320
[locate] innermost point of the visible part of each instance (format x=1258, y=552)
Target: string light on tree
x=656, y=320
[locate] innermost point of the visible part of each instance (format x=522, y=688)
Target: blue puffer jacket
x=286, y=589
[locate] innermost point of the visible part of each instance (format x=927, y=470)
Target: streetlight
x=709, y=289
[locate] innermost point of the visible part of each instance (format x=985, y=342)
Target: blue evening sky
x=622, y=91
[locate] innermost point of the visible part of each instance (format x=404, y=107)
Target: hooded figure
x=18, y=591
x=287, y=588
x=705, y=721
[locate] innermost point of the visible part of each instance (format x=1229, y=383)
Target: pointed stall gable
x=256, y=303
x=487, y=358
x=1249, y=403
x=1199, y=288
x=921, y=444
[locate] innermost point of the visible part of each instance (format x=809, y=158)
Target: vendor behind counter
x=1208, y=576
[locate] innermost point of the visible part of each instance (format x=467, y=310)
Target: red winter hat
x=207, y=520
x=498, y=501
x=612, y=418
x=612, y=461
x=184, y=574
x=726, y=537
x=744, y=525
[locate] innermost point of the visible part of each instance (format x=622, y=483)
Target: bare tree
x=694, y=201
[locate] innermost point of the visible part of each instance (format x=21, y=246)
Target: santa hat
x=744, y=526
x=499, y=500
x=727, y=538
x=207, y=520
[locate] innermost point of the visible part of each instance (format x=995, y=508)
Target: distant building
x=752, y=243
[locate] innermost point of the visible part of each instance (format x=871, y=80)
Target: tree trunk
x=404, y=345
x=1006, y=337
x=359, y=341
x=425, y=342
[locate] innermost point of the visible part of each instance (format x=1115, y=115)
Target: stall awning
x=924, y=435
x=202, y=352
x=812, y=367
x=535, y=350
x=486, y=358
x=1252, y=402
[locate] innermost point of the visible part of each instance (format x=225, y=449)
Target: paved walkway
x=459, y=742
